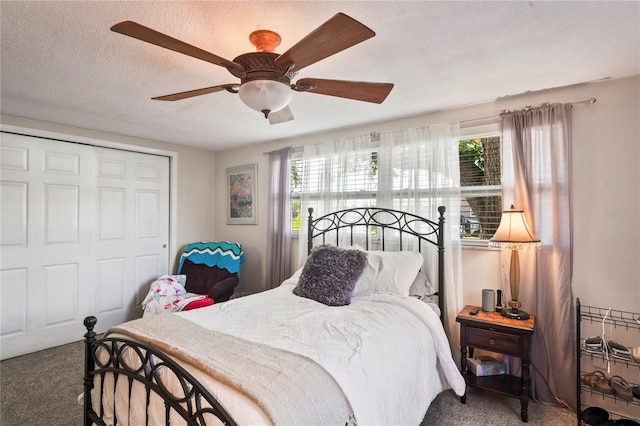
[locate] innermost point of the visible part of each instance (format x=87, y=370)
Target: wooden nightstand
x=493, y=332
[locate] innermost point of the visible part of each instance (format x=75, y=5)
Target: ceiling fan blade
x=335, y=35
x=358, y=90
x=197, y=92
x=280, y=116
x=140, y=32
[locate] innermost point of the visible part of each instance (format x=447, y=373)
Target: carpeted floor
x=488, y=408
x=42, y=388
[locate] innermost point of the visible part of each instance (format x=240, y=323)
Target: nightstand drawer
x=493, y=340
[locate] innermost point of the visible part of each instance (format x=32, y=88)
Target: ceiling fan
x=265, y=76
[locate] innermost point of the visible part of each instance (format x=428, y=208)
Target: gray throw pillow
x=330, y=274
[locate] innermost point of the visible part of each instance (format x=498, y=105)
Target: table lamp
x=515, y=234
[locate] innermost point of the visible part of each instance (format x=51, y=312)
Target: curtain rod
x=375, y=136
x=275, y=150
x=528, y=107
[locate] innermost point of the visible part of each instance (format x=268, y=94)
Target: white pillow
x=421, y=286
x=397, y=271
x=388, y=272
x=293, y=279
x=365, y=286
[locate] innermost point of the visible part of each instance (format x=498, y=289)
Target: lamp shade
x=513, y=228
x=265, y=95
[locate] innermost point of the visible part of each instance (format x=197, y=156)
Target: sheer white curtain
x=418, y=172
x=279, y=218
x=336, y=175
x=414, y=170
x=536, y=149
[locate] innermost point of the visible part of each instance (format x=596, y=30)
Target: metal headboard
x=377, y=224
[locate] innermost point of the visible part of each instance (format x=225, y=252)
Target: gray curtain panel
x=279, y=218
x=536, y=149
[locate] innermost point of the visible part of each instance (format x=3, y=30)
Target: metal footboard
x=132, y=362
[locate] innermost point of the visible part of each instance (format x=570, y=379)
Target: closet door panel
x=76, y=219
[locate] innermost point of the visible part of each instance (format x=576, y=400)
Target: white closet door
x=84, y=231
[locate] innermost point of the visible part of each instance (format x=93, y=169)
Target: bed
x=342, y=341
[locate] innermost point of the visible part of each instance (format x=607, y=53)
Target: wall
x=193, y=215
x=606, y=196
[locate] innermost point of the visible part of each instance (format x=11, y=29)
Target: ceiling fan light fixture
x=265, y=95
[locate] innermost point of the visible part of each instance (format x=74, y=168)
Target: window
x=480, y=179
x=480, y=188
x=359, y=182
x=296, y=187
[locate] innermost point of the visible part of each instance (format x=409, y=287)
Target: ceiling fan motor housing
x=264, y=86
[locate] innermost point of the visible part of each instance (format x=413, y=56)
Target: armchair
x=212, y=268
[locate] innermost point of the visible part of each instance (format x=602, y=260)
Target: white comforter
x=389, y=354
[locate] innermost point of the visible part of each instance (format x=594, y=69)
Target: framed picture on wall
x=242, y=195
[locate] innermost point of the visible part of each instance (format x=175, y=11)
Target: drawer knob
x=492, y=341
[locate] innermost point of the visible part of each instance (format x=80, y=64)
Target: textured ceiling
x=61, y=63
